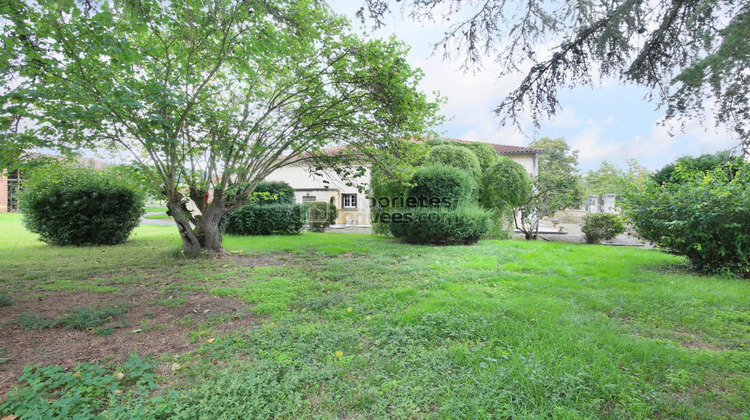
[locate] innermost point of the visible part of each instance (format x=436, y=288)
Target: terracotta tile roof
x=503, y=149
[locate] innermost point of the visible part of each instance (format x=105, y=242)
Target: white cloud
x=655, y=149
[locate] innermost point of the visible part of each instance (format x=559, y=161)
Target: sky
x=610, y=121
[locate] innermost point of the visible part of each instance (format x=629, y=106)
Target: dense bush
x=267, y=219
x=320, y=215
x=441, y=226
x=441, y=186
x=455, y=156
x=704, y=216
x=486, y=154
x=80, y=206
x=273, y=192
x=599, y=227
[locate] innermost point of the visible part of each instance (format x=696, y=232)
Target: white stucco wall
x=310, y=185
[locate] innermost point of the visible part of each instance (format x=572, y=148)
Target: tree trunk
x=200, y=233
x=208, y=225
x=190, y=243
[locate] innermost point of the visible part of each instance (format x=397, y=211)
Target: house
x=351, y=201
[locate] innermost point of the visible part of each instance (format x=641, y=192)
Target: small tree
x=505, y=186
x=558, y=185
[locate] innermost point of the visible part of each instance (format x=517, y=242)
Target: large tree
x=209, y=96
x=692, y=55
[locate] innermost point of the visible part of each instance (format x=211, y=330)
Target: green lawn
x=357, y=326
x=157, y=216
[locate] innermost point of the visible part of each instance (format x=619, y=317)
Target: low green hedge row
x=268, y=219
x=440, y=226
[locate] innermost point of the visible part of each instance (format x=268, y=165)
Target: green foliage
x=320, y=215
x=441, y=226
x=5, y=299
x=608, y=178
x=441, y=186
x=82, y=392
x=386, y=194
x=436, y=141
x=599, y=227
x=455, y=156
x=32, y=321
x=273, y=192
x=89, y=317
x=486, y=154
x=80, y=206
x=266, y=219
x=704, y=163
x=505, y=186
x=702, y=215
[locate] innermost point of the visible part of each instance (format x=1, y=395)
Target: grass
x=357, y=326
x=157, y=216
x=155, y=209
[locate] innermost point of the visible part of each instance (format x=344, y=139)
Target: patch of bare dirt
x=146, y=327
x=243, y=260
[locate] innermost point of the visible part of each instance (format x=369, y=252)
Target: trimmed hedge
x=320, y=215
x=266, y=219
x=273, y=192
x=80, y=206
x=440, y=226
x=599, y=227
x=441, y=186
x=455, y=156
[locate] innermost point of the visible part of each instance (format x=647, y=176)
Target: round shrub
x=599, y=227
x=440, y=226
x=80, y=206
x=267, y=219
x=273, y=192
x=320, y=215
x=441, y=186
x=455, y=156
x=486, y=154
x=702, y=215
